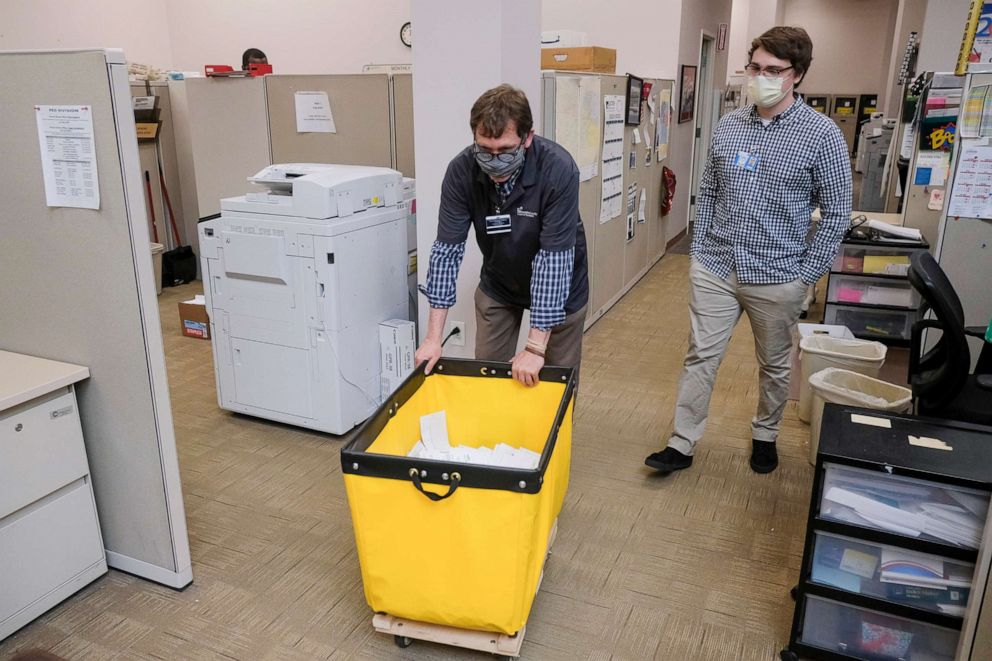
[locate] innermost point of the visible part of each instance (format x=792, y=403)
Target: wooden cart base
x=406, y=631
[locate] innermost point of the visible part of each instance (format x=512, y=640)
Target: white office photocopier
x=297, y=277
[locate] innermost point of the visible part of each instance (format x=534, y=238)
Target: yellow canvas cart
x=454, y=552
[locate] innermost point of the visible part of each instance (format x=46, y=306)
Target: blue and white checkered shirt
x=550, y=281
x=549, y=284
x=758, y=190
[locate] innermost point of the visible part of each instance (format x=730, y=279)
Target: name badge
x=747, y=161
x=498, y=224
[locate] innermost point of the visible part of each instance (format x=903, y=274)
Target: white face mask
x=765, y=91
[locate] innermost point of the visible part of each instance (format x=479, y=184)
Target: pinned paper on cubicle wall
x=313, y=113
x=931, y=168
x=642, y=206
x=971, y=196
x=936, y=201
x=68, y=156
x=612, y=157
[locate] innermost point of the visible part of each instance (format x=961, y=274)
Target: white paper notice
x=68, y=156
x=313, y=113
x=641, y=208
x=589, y=122
x=613, y=121
x=972, y=194
x=664, y=123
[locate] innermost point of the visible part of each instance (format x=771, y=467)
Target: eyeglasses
x=774, y=72
x=503, y=156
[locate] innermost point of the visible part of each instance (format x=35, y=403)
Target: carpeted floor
x=697, y=565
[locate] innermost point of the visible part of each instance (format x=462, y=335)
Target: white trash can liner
x=846, y=387
x=818, y=352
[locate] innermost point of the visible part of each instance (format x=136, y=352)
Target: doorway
x=703, y=120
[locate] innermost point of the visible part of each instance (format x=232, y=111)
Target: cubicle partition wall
x=78, y=287
x=401, y=107
x=222, y=138
x=359, y=106
x=964, y=242
x=227, y=129
x=616, y=262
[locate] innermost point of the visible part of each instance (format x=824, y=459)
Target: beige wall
x=140, y=27
x=942, y=30
x=697, y=16
x=644, y=34
x=908, y=19
x=852, y=43
x=299, y=36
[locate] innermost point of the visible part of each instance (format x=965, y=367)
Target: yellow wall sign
x=147, y=130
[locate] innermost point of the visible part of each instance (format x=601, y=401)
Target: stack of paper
x=911, y=568
x=906, y=508
x=888, y=230
x=434, y=444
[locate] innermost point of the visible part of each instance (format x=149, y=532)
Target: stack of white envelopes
x=434, y=444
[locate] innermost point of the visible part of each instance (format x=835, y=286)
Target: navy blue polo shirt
x=544, y=214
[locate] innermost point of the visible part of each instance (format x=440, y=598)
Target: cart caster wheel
x=794, y=593
x=402, y=641
x=788, y=655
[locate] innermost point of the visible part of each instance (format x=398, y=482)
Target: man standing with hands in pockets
x=770, y=164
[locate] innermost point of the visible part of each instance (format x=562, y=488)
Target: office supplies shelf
x=897, y=511
x=869, y=292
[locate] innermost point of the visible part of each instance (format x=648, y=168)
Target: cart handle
x=456, y=479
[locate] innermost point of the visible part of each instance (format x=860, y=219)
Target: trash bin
x=818, y=352
x=157, y=250
x=470, y=554
x=842, y=386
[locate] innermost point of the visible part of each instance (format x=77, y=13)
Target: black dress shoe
x=764, y=457
x=668, y=460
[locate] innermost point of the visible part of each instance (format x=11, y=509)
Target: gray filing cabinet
x=50, y=539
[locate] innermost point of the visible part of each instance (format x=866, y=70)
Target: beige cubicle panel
x=221, y=140
x=616, y=263
x=78, y=287
x=402, y=110
x=360, y=108
x=162, y=151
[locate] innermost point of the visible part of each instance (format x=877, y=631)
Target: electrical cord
x=454, y=331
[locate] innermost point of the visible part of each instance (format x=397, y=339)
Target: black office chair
x=941, y=379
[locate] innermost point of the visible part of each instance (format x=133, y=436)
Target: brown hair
x=786, y=43
x=498, y=107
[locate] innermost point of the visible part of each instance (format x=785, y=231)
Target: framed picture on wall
x=687, y=93
x=634, y=87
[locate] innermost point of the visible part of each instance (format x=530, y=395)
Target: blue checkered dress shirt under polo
x=550, y=280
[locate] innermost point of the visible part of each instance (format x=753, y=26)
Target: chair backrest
x=942, y=384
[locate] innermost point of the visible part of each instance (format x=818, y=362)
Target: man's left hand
x=526, y=366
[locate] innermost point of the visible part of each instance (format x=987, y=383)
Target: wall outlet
x=457, y=340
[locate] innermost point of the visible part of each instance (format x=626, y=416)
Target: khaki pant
x=715, y=305
x=498, y=326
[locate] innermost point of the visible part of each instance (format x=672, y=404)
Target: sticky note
x=859, y=419
x=932, y=443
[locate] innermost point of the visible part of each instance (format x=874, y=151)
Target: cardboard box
x=397, y=345
x=194, y=320
x=586, y=58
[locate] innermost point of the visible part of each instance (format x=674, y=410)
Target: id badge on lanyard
x=498, y=224
x=747, y=161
